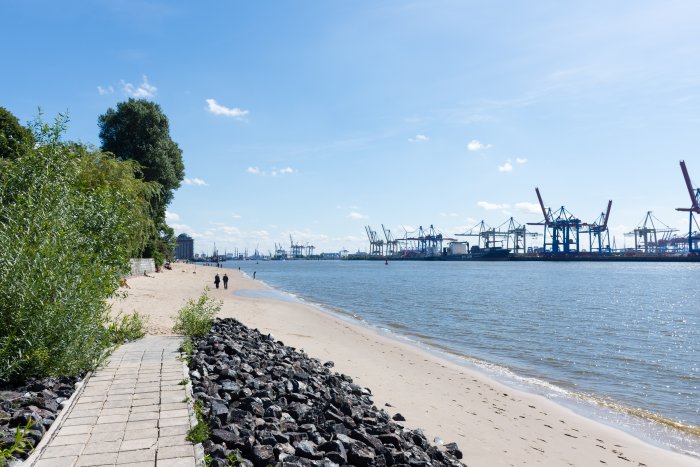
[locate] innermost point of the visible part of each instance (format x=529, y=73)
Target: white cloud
x=195, y=181
x=532, y=208
x=520, y=160
x=145, y=89
x=491, y=206
x=448, y=214
x=171, y=216
x=506, y=167
x=356, y=215
x=419, y=139
x=273, y=172
x=475, y=145
x=236, y=216
x=218, y=109
x=107, y=90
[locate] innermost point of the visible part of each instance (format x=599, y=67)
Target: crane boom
x=544, y=211
x=691, y=191
x=607, y=215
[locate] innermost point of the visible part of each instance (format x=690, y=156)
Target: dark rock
x=398, y=417
x=262, y=455
x=361, y=455
x=307, y=449
x=453, y=449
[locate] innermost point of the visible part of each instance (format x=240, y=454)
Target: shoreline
x=493, y=423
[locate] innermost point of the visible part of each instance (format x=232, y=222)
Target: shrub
x=130, y=327
x=196, y=317
x=64, y=245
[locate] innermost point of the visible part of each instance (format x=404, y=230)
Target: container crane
x=376, y=245
x=598, y=235
x=693, y=237
x=392, y=245
x=563, y=227
x=646, y=235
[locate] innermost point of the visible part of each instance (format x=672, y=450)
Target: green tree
x=138, y=130
x=15, y=140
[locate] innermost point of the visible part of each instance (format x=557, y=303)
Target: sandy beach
x=494, y=425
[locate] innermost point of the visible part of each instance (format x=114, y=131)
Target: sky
x=317, y=118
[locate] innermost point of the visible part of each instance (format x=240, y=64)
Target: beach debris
x=267, y=403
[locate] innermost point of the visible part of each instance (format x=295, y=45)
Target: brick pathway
x=132, y=411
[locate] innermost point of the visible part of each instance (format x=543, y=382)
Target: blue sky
x=316, y=118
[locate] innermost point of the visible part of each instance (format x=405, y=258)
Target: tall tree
x=15, y=140
x=139, y=130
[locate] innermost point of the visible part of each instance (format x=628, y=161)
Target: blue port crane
x=693, y=236
x=598, y=235
x=561, y=228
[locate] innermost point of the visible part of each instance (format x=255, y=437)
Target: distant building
x=185, y=247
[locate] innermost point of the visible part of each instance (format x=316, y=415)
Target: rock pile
x=275, y=405
x=37, y=402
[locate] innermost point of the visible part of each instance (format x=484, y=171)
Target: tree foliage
x=138, y=130
x=15, y=140
x=69, y=219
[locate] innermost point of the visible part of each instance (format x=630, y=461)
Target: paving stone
x=112, y=418
x=142, y=455
x=136, y=444
x=138, y=416
x=102, y=446
x=115, y=411
x=87, y=405
x=146, y=401
x=177, y=462
x=174, y=430
x=108, y=436
x=168, y=452
x=141, y=425
x=109, y=428
x=113, y=404
x=107, y=458
x=163, y=422
x=76, y=430
x=174, y=413
x=176, y=440
x=62, y=451
x=68, y=461
x=173, y=406
x=143, y=433
x=70, y=439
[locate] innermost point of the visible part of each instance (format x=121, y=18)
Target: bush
x=196, y=317
x=129, y=328
x=63, y=248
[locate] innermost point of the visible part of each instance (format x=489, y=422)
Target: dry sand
x=494, y=425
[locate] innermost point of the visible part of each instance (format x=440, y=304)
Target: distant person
x=225, y=281
x=254, y=272
x=217, y=280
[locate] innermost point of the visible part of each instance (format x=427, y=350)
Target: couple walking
x=217, y=279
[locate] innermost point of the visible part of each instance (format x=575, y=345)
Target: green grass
x=21, y=445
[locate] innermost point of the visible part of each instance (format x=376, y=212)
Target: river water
x=617, y=342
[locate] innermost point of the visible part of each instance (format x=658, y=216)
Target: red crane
x=694, y=208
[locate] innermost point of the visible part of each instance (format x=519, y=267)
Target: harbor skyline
x=316, y=120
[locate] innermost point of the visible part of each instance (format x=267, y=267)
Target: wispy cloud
x=236, y=216
x=274, y=171
x=171, y=216
x=492, y=206
x=531, y=208
x=195, y=181
x=145, y=89
x=105, y=90
x=476, y=145
x=505, y=167
x=519, y=160
x=418, y=139
x=448, y=214
x=218, y=109
x=357, y=216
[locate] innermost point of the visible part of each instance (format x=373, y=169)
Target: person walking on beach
x=217, y=280
x=225, y=281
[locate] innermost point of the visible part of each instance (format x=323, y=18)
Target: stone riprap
x=275, y=405
x=36, y=404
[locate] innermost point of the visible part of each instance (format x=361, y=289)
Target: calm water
x=620, y=336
